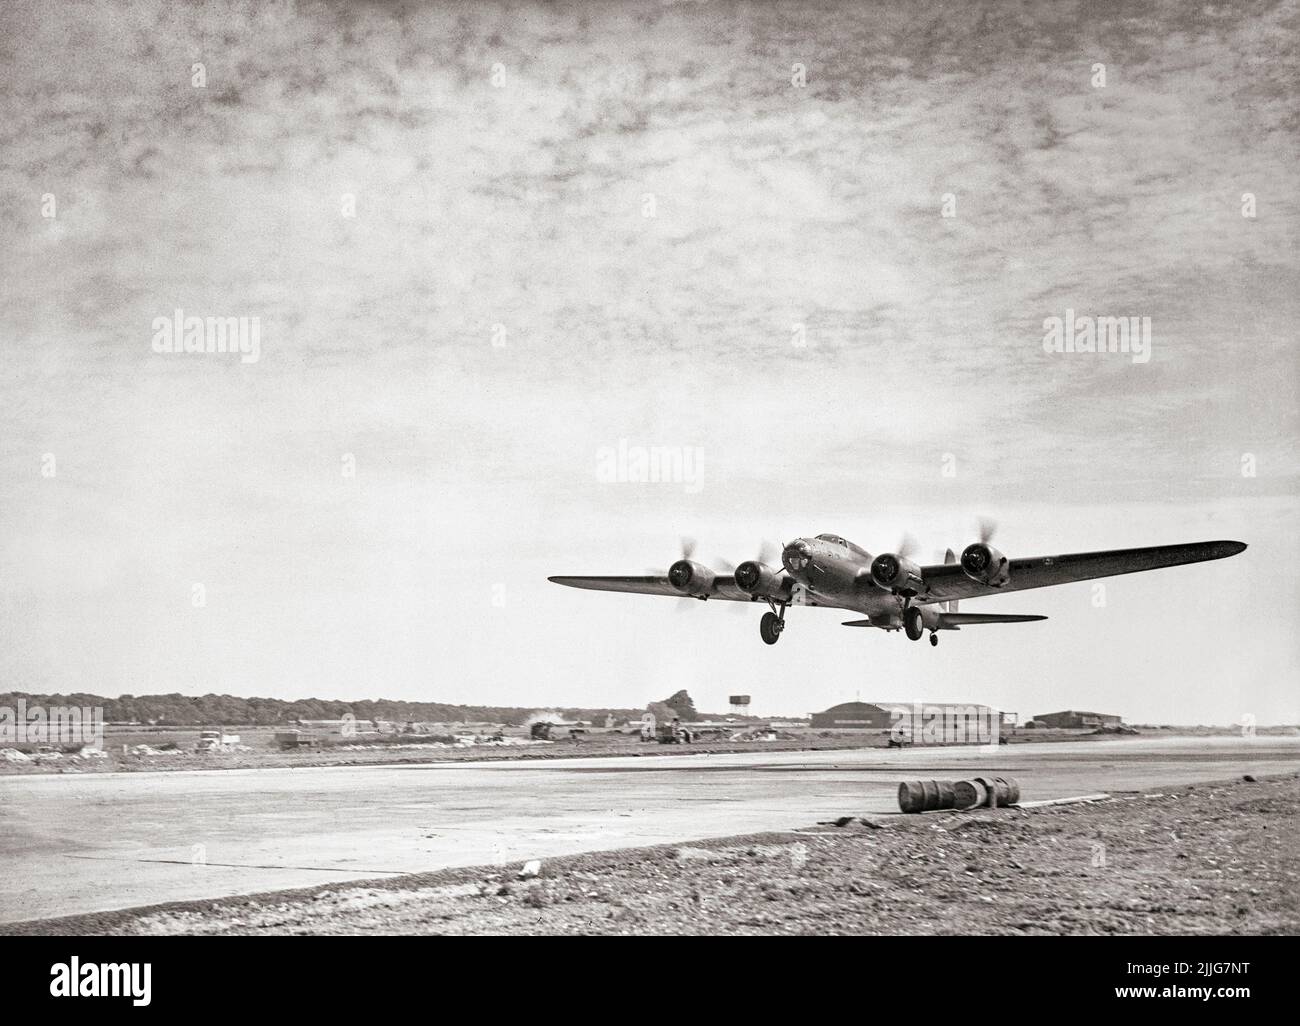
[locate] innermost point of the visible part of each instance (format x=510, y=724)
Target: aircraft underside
x=892, y=592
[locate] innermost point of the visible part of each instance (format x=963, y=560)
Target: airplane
x=891, y=590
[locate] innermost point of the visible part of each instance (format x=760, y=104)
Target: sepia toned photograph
x=521, y=468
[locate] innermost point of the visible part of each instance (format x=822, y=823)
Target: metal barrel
x=925, y=795
x=979, y=792
x=910, y=796
x=1013, y=789
x=991, y=796
x=1002, y=791
x=969, y=794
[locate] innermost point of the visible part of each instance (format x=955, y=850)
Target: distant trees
x=682, y=706
x=231, y=710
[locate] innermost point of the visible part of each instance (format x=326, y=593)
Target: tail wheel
x=770, y=627
x=912, y=624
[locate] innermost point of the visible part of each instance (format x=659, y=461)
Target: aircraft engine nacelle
x=896, y=573
x=983, y=563
x=755, y=578
x=690, y=578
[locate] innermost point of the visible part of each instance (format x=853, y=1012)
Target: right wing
x=948, y=581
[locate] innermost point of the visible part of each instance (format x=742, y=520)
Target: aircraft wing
x=656, y=584
x=947, y=580
x=724, y=587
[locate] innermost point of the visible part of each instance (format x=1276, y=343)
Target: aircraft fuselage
x=838, y=573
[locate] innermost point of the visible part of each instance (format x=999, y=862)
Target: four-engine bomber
x=892, y=590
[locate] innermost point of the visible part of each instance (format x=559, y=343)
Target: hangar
x=1073, y=719
x=926, y=722
x=854, y=715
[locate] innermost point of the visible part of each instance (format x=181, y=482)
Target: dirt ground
x=1218, y=858
x=259, y=751
x=364, y=752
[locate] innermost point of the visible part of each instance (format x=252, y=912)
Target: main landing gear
x=771, y=626
x=913, y=625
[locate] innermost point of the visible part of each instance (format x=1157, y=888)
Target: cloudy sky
x=485, y=242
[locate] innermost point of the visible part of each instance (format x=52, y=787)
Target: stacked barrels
x=977, y=793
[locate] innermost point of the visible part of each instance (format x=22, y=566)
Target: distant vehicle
x=212, y=740
x=292, y=739
x=899, y=735
x=549, y=730
x=674, y=734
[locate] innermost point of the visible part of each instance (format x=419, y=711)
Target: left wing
x=724, y=587
x=656, y=584
x=948, y=581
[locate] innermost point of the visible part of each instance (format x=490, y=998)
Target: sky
x=812, y=245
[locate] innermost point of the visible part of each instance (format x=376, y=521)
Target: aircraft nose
x=795, y=556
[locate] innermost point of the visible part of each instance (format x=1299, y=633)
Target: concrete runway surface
x=93, y=842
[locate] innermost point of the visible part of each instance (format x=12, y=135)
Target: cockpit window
x=834, y=538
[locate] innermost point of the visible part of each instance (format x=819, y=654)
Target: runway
x=74, y=844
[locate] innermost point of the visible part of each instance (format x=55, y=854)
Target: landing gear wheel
x=934, y=638
x=770, y=628
x=912, y=624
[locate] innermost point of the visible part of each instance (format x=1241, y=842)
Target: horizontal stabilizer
x=970, y=619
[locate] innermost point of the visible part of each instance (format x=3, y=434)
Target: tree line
x=231, y=710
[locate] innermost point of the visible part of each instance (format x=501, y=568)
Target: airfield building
x=1072, y=719
x=854, y=716
x=925, y=722
x=343, y=726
